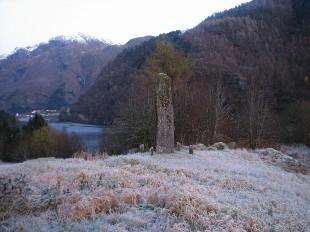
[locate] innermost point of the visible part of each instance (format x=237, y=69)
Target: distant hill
x=267, y=39
x=54, y=74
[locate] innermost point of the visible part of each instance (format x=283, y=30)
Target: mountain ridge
x=244, y=41
x=54, y=74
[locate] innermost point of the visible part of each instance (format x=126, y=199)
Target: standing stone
x=165, y=115
x=141, y=148
x=179, y=146
x=152, y=150
x=191, y=150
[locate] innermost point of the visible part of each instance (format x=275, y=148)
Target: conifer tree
x=166, y=66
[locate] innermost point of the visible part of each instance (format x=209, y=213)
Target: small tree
x=35, y=123
x=9, y=136
x=48, y=142
x=259, y=121
x=220, y=107
x=166, y=66
x=295, y=122
x=135, y=123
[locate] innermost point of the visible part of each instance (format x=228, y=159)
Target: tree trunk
x=165, y=115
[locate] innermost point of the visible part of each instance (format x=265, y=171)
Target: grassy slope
x=232, y=190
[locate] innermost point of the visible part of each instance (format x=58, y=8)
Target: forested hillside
x=249, y=82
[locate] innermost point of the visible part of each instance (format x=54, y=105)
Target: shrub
x=34, y=140
x=136, y=121
x=295, y=120
x=9, y=136
x=35, y=123
x=47, y=142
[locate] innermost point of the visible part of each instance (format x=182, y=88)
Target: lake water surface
x=91, y=135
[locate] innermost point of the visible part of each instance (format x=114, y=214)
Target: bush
x=34, y=140
x=136, y=121
x=9, y=135
x=295, y=120
x=47, y=142
x=35, y=123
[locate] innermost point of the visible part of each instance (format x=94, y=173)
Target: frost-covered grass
x=232, y=190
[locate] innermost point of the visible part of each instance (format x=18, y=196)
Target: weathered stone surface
x=141, y=148
x=277, y=158
x=178, y=146
x=152, y=150
x=165, y=115
x=232, y=145
x=219, y=146
x=200, y=147
x=211, y=148
x=191, y=150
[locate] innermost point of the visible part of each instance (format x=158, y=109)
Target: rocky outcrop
x=218, y=146
x=277, y=158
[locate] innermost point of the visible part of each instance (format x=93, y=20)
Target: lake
x=91, y=135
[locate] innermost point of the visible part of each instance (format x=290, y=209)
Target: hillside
x=54, y=74
x=266, y=39
x=230, y=190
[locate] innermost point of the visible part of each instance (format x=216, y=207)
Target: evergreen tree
x=9, y=136
x=35, y=123
x=166, y=66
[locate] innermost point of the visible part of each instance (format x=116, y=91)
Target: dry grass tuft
x=285, y=161
x=131, y=198
x=82, y=207
x=180, y=227
x=13, y=196
x=232, y=190
x=82, y=155
x=236, y=184
x=154, y=199
x=193, y=210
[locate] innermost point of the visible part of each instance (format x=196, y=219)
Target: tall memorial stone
x=165, y=114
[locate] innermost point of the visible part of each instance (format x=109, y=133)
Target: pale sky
x=28, y=22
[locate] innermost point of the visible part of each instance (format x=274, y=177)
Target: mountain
x=54, y=74
x=265, y=39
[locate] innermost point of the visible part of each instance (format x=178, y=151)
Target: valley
x=180, y=129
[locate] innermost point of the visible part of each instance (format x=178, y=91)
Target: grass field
x=230, y=190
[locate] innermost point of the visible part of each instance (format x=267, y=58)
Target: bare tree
x=221, y=107
x=136, y=121
x=258, y=114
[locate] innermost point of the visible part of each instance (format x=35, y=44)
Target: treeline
x=34, y=140
x=250, y=82
x=207, y=112
x=211, y=106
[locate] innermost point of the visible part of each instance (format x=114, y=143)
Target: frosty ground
x=230, y=190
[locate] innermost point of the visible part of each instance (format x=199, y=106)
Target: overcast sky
x=28, y=22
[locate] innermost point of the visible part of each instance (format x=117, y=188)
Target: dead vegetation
x=230, y=190
x=287, y=162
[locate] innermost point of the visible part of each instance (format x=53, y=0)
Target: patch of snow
x=32, y=48
x=81, y=38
